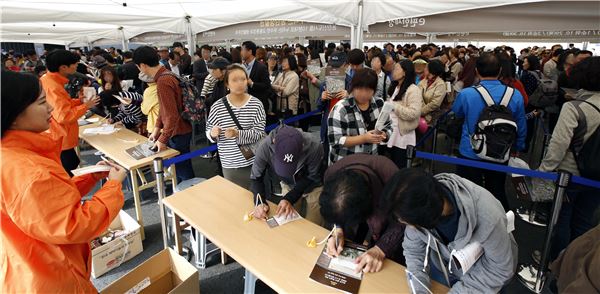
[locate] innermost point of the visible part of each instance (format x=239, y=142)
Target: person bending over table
x=446, y=213
x=296, y=158
x=351, y=200
x=46, y=228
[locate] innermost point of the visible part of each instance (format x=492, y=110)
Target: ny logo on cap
x=288, y=158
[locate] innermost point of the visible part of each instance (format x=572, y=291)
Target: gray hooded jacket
x=482, y=219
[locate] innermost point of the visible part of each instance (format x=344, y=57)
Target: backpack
x=496, y=129
x=194, y=108
x=546, y=92
x=586, y=153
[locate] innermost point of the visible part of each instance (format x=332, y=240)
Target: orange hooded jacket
x=66, y=110
x=46, y=230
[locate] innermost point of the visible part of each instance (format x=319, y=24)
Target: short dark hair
x=108, y=57
x=415, y=197
x=364, y=78
x=346, y=199
x=534, y=62
x=205, y=47
x=356, y=57
x=586, y=74
x=331, y=45
x=586, y=52
x=59, y=57
x=127, y=55
x=232, y=68
x=30, y=53
x=249, y=45
x=39, y=68
x=172, y=55
x=381, y=58
x=558, y=52
x=19, y=90
x=291, y=59
x=177, y=44
x=488, y=65
x=146, y=55
x=436, y=68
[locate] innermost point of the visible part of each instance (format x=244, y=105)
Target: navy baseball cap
x=219, y=62
x=288, y=148
x=337, y=59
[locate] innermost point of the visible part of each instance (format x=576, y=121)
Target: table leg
x=177, y=233
x=173, y=172
x=249, y=282
x=137, y=201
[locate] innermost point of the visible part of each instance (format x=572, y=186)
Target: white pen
x=335, y=236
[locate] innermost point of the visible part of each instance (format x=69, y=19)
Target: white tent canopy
x=86, y=21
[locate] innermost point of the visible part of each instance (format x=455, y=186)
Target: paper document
x=467, y=256
x=90, y=170
x=276, y=221
x=339, y=272
x=102, y=130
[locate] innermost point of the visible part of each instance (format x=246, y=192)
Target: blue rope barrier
x=488, y=166
x=585, y=182
x=211, y=148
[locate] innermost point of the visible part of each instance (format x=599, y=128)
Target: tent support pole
x=359, y=28
x=124, y=41
x=189, y=34
x=352, y=36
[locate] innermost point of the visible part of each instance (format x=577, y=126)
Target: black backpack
x=586, y=153
x=496, y=129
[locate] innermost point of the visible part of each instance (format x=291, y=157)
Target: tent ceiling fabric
x=90, y=20
x=544, y=16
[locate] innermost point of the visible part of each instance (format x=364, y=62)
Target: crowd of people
x=374, y=103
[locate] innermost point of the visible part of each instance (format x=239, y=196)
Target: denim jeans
x=181, y=143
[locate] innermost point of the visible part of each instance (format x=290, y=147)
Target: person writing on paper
x=296, y=158
x=446, y=215
x=351, y=200
x=46, y=230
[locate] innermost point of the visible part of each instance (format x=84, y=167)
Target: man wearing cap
x=163, y=52
x=296, y=159
x=214, y=87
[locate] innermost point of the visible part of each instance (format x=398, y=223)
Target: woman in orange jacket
x=46, y=229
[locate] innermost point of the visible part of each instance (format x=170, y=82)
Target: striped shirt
x=130, y=114
x=252, y=119
x=209, y=86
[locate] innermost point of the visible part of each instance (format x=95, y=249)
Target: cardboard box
x=165, y=272
x=115, y=252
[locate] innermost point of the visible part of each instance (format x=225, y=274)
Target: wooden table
x=114, y=146
x=279, y=257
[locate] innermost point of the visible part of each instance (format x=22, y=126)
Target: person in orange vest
x=61, y=64
x=46, y=228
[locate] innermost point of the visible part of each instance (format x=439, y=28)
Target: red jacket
x=46, y=230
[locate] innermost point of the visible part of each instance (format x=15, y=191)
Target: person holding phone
x=46, y=228
x=351, y=123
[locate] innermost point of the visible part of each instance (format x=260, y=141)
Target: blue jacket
x=469, y=105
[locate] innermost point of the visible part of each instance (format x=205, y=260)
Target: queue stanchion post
x=564, y=178
x=433, y=148
x=411, y=152
x=160, y=186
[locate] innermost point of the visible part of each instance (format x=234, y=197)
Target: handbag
x=247, y=150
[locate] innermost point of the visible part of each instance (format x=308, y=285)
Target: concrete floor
x=228, y=278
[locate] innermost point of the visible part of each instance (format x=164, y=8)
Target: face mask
x=145, y=78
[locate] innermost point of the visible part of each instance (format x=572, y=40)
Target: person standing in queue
x=46, y=228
